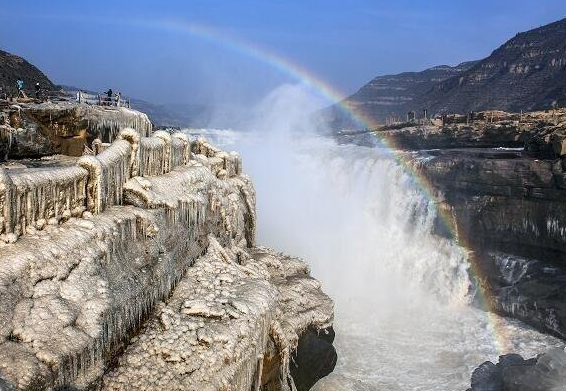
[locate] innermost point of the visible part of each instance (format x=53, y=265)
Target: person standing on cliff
x=37, y=90
x=109, y=95
x=20, y=86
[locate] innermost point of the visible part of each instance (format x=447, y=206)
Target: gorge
x=404, y=292
x=372, y=251
x=176, y=266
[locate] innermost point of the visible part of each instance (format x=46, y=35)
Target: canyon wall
x=137, y=268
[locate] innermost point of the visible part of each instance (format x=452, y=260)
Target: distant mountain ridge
x=388, y=96
x=528, y=72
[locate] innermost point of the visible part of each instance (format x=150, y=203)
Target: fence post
x=6, y=207
x=133, y=137
x=166, y=137
x=187, y=146
x=94, y=185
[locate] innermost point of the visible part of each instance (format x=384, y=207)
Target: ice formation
x=108, y=121
x=30, y=199
x=43, y=129
x=108, y=172
x=161, y=245
x=235, y=311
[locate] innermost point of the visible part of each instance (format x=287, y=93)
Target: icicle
x=152, y=151
x=6, y=203
x=178, y=148
x=166, y=156
x=109, y=121
x=133, y=137
x=38, y=195
x=6, y=139
x=107, y=174
x=186, y=145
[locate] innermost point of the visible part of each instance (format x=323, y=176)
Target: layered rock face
x=142, y=273
x=510, y=211
x=43, y=129
x=508, y=207
x=390, y=96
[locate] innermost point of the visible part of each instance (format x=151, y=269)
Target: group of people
x=112, y=98
x=20, y=93
x=20, y=85
x=109, y=98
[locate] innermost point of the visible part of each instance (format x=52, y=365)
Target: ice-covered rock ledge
x=42, y=129
x=146, y=276
x=231, y=324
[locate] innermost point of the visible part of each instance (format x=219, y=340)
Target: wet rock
x=486, y=378
x=507, y=205
x=314, y=358
x=525, y=288
x=546, y=372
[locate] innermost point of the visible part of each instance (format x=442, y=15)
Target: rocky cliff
x=13, y=68
x=527, y=73
x=136, y=268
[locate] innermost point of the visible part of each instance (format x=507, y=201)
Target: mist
x=404, y=318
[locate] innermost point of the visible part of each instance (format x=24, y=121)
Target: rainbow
x=501, y=337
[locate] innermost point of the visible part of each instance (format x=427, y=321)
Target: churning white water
x=403, y=319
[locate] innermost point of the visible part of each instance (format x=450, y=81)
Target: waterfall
x=404, y=318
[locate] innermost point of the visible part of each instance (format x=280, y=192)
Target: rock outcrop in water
x=137, y=268
x=513, y=373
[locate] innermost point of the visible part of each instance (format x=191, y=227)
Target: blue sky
x=123, y=44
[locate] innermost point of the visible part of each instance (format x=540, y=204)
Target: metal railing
x=102, y=99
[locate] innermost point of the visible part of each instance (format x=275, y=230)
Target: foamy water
x=403, y=314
